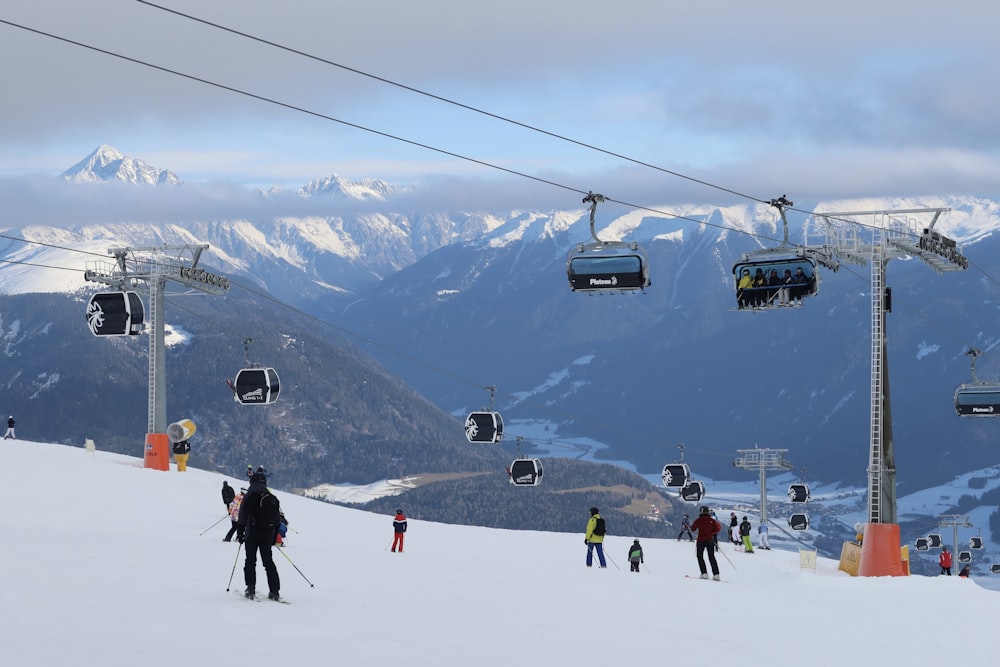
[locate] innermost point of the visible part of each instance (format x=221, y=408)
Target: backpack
x=270, y=510
x=599, y=527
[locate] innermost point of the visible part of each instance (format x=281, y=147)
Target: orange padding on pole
x=157, y=454
x=880, y=554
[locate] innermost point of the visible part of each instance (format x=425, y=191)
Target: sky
x=113, y=560
x=517, y=104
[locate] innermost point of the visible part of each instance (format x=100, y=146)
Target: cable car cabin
x=256, y=386
x=975, y=542
x=484, y=427
x=964, y=556
x=525, y=472
x=607, y=267
x=692, y=492
x=115, y=314
x=773, y=283
x=995, y=568
x=676, y=474
x=798, y=493
x=798, y=522
x=921, y=544
x=978, y=400
x=934, y=541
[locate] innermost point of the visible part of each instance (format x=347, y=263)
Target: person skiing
x=706, y=528
x=685, y=528
x=762, y=532
x=635, y=555
x=9, y=435
x=234, y=515
x=258, y=520
x=594, y=537
x=745, y=535
x=281, y=538
x=944, y=560
x=227, y=494
x=398, y=530
x=734, y=528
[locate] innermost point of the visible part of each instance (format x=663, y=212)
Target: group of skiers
x=944, y=560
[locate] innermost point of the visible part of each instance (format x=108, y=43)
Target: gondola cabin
x=934, y=541
x=676, y=474
x=964, y=556
x=978, y=400
x=976, y=542
x=607, y=267
x=484, y=427
x=692, y=491
x=921, y=544
x=798, y=522
x=115, y=314
x=995, y=568
x=798, y=493
x=256, y=386
x=525, y=472
x=773, y=283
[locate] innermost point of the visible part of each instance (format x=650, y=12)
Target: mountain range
x=456, y=302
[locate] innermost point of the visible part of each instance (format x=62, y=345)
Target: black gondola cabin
x=256, y=386
x=525, y=472
x=692, y=492
x=484, y=427
x=115, y=314
x=978, y=400
x=676, y=474
x=798, y=493
x=921, y=544
x=798, y=522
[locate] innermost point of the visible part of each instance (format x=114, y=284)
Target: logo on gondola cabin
x=255, y=395
x=604, y=282
x=471, y=427
x=95, y=317
x=988, y=409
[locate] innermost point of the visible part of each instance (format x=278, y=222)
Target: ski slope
x=105, y=564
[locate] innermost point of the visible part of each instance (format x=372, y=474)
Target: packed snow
x=108, y=562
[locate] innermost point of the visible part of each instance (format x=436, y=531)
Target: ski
x=718, y=581
x=261, y=598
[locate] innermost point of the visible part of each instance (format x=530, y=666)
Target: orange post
x=880, y=551
x=157, y=455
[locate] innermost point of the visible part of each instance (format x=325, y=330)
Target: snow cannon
x=181, y=430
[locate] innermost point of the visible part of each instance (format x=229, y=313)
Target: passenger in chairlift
x=744, y=291
x=760, y=285
x=800, y=282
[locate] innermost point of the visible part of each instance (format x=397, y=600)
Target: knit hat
x=593, y=511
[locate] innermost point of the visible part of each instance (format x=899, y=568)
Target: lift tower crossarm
x=762, y=460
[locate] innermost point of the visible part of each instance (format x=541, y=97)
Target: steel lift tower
x=147, y=271
x=891, y=234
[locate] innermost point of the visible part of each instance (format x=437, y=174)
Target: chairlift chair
x=676, y=474
x=977, y=398
x=525, y=472
x=606, y=266
x=115, y=314
x=798, y=521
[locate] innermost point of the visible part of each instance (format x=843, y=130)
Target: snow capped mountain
x=107, y=164
x=365, y=189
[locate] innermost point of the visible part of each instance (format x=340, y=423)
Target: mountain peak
x=365, y=189
x=107, y=163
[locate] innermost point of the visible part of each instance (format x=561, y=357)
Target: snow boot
x=248, y=593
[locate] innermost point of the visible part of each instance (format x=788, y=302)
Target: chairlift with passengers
x=606, y=266
x=254, y=385
x=115, y=314
x=976, y=398
x=775, y=277
x=485, y=425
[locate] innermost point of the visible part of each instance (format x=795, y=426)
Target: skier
x=9, y=435
x=398, y=530
x=260, y=512
x=227, y=494
x=685, y=528
x=707, y=528
x=734, y=529
x=745, y=536
x=594, y=537
x=762, y=532
x=944, y=560
x=234, y=514
x=635, y=555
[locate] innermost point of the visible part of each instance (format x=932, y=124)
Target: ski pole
x=727, y=558
x=613, y=561
x=234, y=566
x=282, y=552
x=213, y=525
